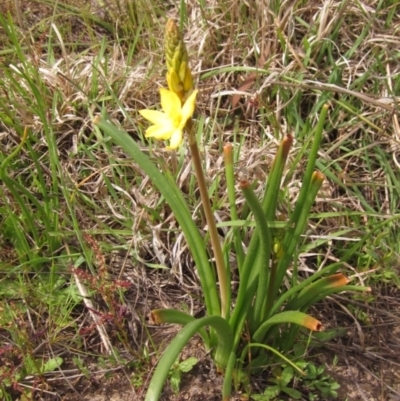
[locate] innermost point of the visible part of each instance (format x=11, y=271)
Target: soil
x=367, y=368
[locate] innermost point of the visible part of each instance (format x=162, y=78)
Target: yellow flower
x=170, y=123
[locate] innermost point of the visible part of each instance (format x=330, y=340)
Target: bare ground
x=368, y=362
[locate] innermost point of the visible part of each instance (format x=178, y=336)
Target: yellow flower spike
x=170, y=123
x=175, y=49
x=179, y=76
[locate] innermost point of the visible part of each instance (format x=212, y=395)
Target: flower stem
x=212, y=227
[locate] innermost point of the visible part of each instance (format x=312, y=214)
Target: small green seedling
x=177, y=370
x=283, y=376
x=319, y=383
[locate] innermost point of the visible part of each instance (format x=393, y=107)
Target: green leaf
x=52, y=364
x=292, y=393
x=221, y=356
x=187, y=364
x=296, y=317
x=269, y=394
x=175, y=380
x=311, y=371
x=330, y=334
x=178, y=317
x=265, y=251
x=259, y=397
x=287, y=375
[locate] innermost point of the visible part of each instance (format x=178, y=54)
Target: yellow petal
x=170, y=103
x=188, y=108
x=176, y=139
x=161, y=132
x=154, y=116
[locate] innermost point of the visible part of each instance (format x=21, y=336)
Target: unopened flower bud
x=179, y=75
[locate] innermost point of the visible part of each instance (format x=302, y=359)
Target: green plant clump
x=272, y=301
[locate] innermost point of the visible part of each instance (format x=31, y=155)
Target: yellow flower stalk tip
x=179, y=75
x=175, y=49
x=170, y=123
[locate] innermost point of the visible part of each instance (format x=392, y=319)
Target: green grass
x=84, y=237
